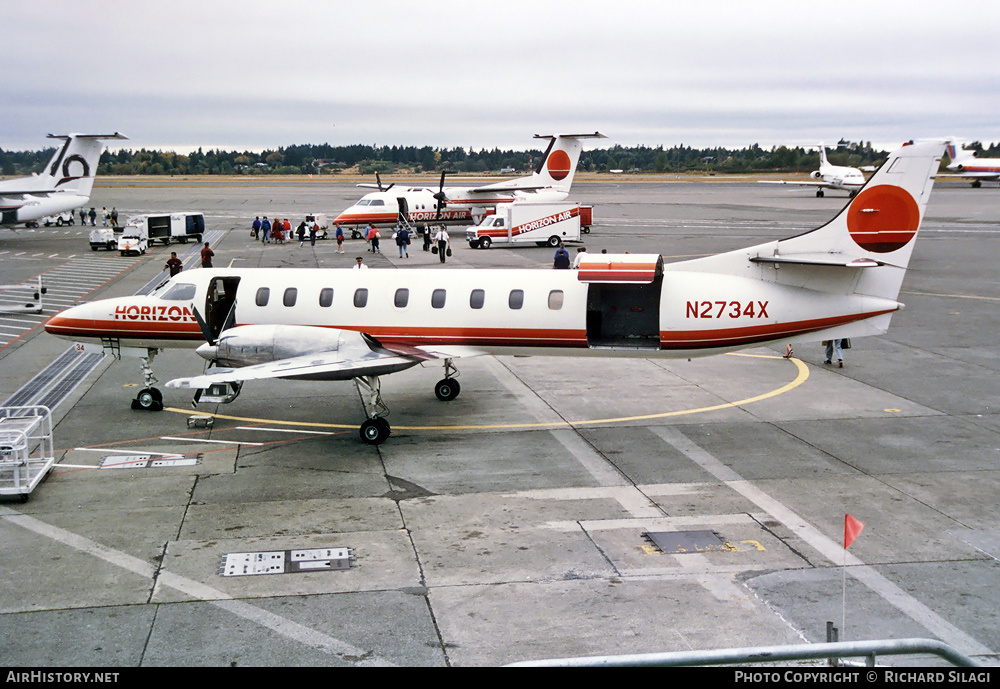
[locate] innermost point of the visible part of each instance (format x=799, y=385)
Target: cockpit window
x=182, y=291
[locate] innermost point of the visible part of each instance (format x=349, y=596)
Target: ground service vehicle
x=177, y=227
x=103, y=238
x=541, y=223
x=134, y=239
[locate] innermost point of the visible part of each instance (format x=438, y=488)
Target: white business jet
x=62, y=186
x=420, y=205
x=828, y=176
x=839, y=280
x=965, y=164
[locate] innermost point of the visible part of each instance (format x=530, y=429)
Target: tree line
x=364, y=159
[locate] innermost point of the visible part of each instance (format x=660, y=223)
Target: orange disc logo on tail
x=558, y=165
x=883, y=218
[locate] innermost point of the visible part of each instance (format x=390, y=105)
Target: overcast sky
x=250, y=74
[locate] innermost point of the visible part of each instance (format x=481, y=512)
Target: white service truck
x=544, y=224
x=178, y=227
x=103, y=238
x=134, y=239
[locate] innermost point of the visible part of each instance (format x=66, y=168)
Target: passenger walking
x=312, y=234
x=301, y=231
x=255, y=230
x=373, y=237
x=206, y=256
x=93, y=217
x=402, y=238
x=834, y=347
x=340, y=240
x=265, y=225
x=443, y=242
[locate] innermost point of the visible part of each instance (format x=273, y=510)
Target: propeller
x=378, y=180
x=440, y=196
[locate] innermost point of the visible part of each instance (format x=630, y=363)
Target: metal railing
x=768, y=654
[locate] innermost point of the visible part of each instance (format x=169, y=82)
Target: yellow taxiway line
x=800, y=378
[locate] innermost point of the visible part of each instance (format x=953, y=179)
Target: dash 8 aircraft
x=839, y=280
x=551, y=181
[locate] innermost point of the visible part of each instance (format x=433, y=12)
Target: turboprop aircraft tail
x=558, y=165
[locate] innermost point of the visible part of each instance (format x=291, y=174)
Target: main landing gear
x=149, y=398
x=376, y=428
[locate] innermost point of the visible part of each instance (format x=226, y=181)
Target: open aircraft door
x=623, y=300
x=220, y=304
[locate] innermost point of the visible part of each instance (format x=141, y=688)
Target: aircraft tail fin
x=558, y=165
x=877, y=230
x=957, y=154
x=823, y=162
x=74, y=164
x=865, y=249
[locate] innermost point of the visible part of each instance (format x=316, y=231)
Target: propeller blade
x=204, y=327
x=440, y=196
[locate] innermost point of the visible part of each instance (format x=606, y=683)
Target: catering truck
x=178, y=227
x=545, y=224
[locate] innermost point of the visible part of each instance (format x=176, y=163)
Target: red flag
x=852, y=529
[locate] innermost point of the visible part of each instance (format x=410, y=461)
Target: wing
x=321, y=366
x=343, y=363
x=824, y=185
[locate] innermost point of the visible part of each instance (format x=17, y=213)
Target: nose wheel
x=149, y=398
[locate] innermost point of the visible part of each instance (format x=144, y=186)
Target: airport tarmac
x=512, y=523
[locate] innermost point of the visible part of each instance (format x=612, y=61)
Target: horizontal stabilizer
x=828, y=259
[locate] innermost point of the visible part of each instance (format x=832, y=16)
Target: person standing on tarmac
x=206, y=256
x=174, y=264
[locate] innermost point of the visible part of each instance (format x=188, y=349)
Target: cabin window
x=291, y=294
x=556, y=297
x=437, y=298
x=402, y=298
x=477, y=298
x=263, y=294
x=361, y=297
x=326, y=296
x=180, y=292
x=516, y=299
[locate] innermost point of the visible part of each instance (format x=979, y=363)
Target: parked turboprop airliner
x=829, y=177
x=839, y=280
x=62, y=186
x=551, y=181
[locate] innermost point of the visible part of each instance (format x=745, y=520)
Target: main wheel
x=447, y=389
x=149, y=399
x=375, y=431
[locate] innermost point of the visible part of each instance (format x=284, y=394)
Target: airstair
x=23, y=298
x=26, y=448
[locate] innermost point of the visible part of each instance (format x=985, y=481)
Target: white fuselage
x=537, y=311
x=463, y=206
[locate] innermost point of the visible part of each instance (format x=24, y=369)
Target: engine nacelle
x=815, y=174
x=247, y=345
